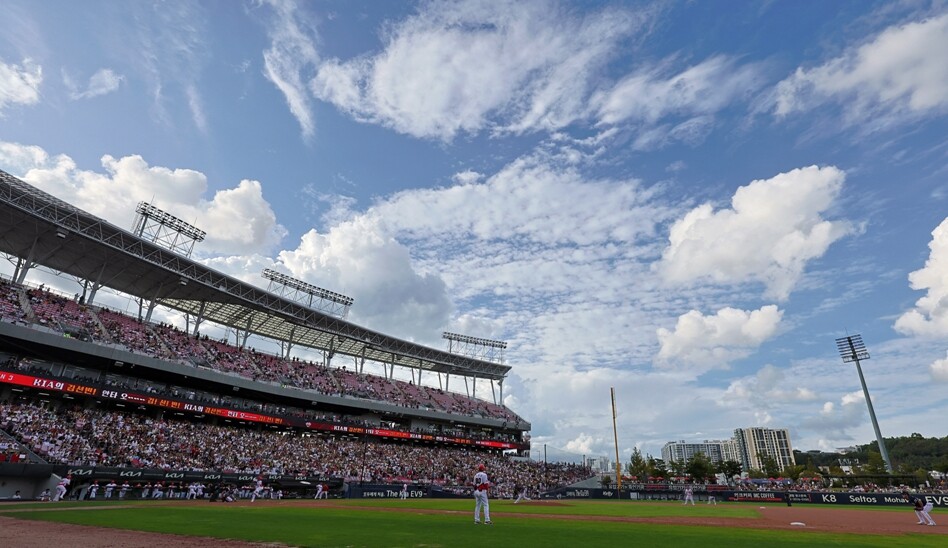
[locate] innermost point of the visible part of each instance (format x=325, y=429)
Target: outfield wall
x=674, y=492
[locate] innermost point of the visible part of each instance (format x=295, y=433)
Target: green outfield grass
x=357, y=525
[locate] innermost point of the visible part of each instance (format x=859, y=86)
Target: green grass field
x=359, y=523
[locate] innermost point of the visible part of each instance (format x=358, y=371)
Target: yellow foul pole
x=615, y=435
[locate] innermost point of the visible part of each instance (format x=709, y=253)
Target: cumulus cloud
x=930, y=315
x=19, y=84
x=899, y=74
x=360, y=258
x=772, y=229
x=103, y=82
x=714, y=341
x=455, y=67
x=467, y=177
x=835, y=419
x=767, y=387
x=939, y=370
x=291, y=59
x=237, y=220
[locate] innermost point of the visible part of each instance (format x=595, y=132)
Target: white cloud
x=939, y=370
x=834, y=420
x=930, y=315
x=465, y=66
x=359, y=258
x=19, y=84
x=168, y=50
x=291, y=59
x=899, y=74
x=773, y=228
x=467, y=177
x=103, y=82
x=713, y=341
x=693, y=95
x=768, y=387
x=237, y=220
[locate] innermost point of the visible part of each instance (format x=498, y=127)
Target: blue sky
x=687, y=201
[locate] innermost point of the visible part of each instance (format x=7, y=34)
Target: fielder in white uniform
x=258, y=490
x=61, y=488
x=109, y=487
x=689, y=496
x=319, y=491
x=481, y=485
x=404, y=494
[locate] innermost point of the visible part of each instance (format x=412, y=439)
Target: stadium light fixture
x=852, y=349
x=61, y=233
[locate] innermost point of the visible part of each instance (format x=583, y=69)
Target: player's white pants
x=60, y=492
x=926, y=512
x=256, y=492
x=712, y=500
x=689, y=498
x=480, y=502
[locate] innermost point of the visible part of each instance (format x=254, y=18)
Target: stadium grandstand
x=106, y=395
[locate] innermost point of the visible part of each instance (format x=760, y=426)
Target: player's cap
x=481, y=467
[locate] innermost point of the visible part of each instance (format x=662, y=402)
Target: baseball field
x=449, y=523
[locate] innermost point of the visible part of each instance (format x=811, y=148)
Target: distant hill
x=908, y=453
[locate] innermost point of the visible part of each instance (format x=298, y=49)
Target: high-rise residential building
x=600, y=464
x=715, y=450
x=756, y=444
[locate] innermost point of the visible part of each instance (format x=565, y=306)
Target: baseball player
x=521, y=491
x=917, y=505
x=689, y=496
x=123, y=490
x=404, y=494
x=481, y=486
x=712, y=499
x=109, y=487
x=93, y=490
x=258, y=489
x=926, y=512
x=61, y=488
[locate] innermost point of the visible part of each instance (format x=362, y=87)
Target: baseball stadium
x=122, y=429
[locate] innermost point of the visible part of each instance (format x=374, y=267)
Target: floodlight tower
x=852, y=349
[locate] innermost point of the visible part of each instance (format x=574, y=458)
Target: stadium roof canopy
x=44, y=230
